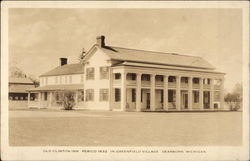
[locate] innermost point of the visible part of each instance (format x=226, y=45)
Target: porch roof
x=58, y=87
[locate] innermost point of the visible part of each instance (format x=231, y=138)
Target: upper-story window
x=46, y=80
x=117, y=75
x=70, y=79
x=56, y=79
x=90, y=73
x=60, y=79
x=104, y=72
x=66, y=79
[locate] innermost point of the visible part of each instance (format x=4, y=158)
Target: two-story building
x=115, y=78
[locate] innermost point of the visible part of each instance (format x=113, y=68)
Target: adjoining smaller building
x=54, y=83
x=18, y=96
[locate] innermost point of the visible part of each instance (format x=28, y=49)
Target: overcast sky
x=39, y=37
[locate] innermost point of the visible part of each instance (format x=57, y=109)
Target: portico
x=145, y=90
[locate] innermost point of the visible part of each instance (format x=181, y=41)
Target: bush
x=68, y=100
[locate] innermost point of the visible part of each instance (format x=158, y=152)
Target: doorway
x=184, y=101
x=148, y=101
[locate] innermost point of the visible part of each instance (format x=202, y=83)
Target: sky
x=39, y=37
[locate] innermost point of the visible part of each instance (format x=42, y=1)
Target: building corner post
x=152, y=92
x=165, y=94
x=190, y=93
x=123, y=91
x=178, y=93
x=138, y=92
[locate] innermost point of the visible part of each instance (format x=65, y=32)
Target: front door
x=148, y=101
x=184, y=100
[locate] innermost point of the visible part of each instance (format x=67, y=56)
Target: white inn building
x=122, y=79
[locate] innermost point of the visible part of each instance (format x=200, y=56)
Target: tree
x=68, y=100
x=234, y=99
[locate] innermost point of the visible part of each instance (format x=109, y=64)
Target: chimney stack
x=100, y=40
x=63, y=61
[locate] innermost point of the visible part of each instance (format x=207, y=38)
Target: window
x=133, y=76
x=90, y=73
x=56, y=80
x=196, y=96
x=66, y=79
x=60, y=79
x=117, y=76
x=70, y=79
x=46, y=80
x=45, y=96
x=104, y=94
x=133, y=95
x=104, y=73
x=171, y=95
x=10, y=98
x=117, y=95
x=90, y=95
x=82, y=77
x=81, y=96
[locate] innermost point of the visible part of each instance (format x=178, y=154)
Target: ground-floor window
x=171, y=95
x=196, y=96
x=133, y=95
x=81, y=95
x=90, y=95
x=104, y=94
x=117, y=94
x=45, y=96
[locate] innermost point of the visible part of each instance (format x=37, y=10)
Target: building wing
x=65, y=69
x=170, y=59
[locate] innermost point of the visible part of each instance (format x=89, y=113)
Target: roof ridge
x=155, y=51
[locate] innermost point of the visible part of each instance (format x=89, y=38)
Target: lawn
x=100, y=128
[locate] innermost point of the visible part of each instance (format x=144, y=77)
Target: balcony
x=117, y=82
x=171, y=84
x=217, y=87
x=131, y=82
x=145, y=83
x=196, y=86
x=206, y=86
x=184, y=85
x=159, y=83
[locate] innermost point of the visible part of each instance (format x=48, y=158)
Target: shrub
x=68, y=100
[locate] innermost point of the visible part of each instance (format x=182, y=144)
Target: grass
x=99, y=128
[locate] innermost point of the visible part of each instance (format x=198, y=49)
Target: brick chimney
x=100, y=40
x=63, y=61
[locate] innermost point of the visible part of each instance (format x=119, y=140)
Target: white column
x=123, y=91
x=178, y=93
x=76, y=97
x=50, y=98
x=211, y=94
x=222, y=94
x=190, y=93
x=28, y=99
x=165, y=93
x=40, y=99
x=138, y=91
x=152, y=92
x=201, y=104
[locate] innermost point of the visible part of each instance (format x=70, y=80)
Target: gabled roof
x=66, y=69
x=171, y=59
x=18, y=80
